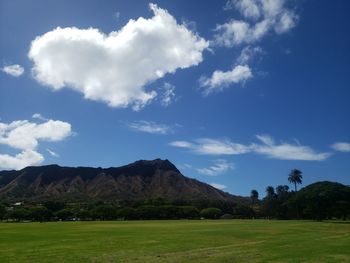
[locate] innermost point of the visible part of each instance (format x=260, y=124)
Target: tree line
x=322, y=200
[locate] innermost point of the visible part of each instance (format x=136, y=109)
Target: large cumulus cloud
x=115, y=68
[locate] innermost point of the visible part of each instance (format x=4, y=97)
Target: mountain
x=139, y=180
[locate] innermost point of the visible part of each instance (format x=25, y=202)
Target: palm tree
x=295, y=177
x=270, y=192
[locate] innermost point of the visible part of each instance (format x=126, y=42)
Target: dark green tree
x=243, y=211
x=254, y=196
x=126, y=213
x=39, y=213
x=188, y=212
x=295, y=177
x=270, y=192
x=148, y=212
x=54, y=206
x=211, y=213
x=18, y=214
x=84, y=215
x=104, y=212
x=2, y=211
x=270, y=202
x=64, y=214
x=282, y=197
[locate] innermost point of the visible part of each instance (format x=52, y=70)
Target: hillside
x=139, y=180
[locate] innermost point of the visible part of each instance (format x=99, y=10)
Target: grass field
x=176, y=241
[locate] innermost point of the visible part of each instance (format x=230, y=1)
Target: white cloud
x=208, y=146
x=115, y=68
x=247, y=54
x=219, y=167
x=25, y=136
x=267, y=147
x=219, y=147
x=265, y=139
x=168, y=95
x=150, y=127
x=181, y=144
x=13, y=70
x=21, y=160
x=287, y=21
x=286, y=151
x=52, y=153
x=116, y=15
x=341, y=146
x=267, y=16
x=220, y=79
x=248, y=8
x=39, y=117
x=218, y=186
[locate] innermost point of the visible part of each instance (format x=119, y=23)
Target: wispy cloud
x=185, y=166
x=39, y=117
x=247, y=54
x=218, y=186
x=168, y=95
x=116, y=15
x=341, y=146
x=209, y=146
x=266, y=147
x=150, y=127
x=13, y=70
x=220, y=166
x=287, y=151
x=181, y=144
x=52, y=153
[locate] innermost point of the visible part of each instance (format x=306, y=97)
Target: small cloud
x=52, y=153
x=168, y=95
x=341, y=146
x=150, y=127
x=220, y=79
x=206, y=146
x=13, y=70
x=248, y=8
x=39, y=117
x=116, y=15
x=184, y=166
x=288, y=51
x=265, y=139
x=248, y=53
x=218, y=186
x=191, y=25
x=181, y=144
x=219, y=167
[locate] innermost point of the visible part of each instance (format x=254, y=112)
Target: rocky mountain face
x=139, y=180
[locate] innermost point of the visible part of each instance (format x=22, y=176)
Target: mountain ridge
x=143, y=179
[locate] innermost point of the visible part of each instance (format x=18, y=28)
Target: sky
x=235, y=93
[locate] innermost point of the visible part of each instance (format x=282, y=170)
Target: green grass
x=176, y=241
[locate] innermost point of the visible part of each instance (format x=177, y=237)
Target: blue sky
x=235, y=93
